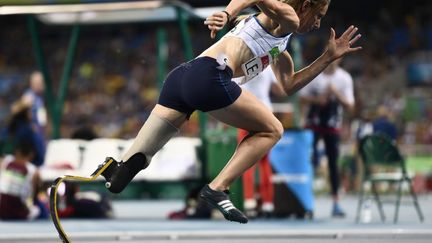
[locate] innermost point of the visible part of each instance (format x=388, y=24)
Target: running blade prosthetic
x=119, y=174
x=220, y=200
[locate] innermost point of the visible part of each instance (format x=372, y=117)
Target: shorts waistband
x=213, y=60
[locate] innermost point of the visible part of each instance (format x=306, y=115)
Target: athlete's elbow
x=290, y=92
x=286, y=83
x=252, y=2
x=292, y=87
x=289, y=89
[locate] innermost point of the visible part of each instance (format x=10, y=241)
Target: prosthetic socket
x=154, y=134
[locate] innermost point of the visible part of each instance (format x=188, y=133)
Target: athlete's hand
x=341, y=46
x=216, y=22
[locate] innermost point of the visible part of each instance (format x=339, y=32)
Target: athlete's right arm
x=235, y=6
x=218, y=20
x=282, y=13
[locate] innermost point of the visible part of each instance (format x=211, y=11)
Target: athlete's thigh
x=247, y=113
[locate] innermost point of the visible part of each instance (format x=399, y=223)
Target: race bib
x=256, y=65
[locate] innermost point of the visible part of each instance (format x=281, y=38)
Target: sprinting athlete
x=204, y=84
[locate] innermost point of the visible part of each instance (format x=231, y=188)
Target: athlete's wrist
x=327, y=57
x=227, y=14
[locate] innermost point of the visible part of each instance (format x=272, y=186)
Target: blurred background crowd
x=114, y=86
x=116, y=66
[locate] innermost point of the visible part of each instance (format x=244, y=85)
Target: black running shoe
x=220, y=200
x=119, y=174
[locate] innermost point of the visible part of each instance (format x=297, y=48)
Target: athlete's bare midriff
x=236, y=51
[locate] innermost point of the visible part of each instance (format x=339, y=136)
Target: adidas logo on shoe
x=220, y=201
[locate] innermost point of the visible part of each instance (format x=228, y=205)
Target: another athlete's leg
x=160, y=127
x=315, y=153
x=332, y=151
x=266, y=186
x=250, y=203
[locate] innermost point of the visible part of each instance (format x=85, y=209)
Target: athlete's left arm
x=283, y=65
x=277, y=90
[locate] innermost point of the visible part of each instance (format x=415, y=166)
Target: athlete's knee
x=279, y=130
x=276, y=129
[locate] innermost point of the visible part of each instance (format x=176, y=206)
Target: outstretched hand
x=341, y=46
x=216, y=22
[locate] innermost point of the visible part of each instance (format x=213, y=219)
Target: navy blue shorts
x=199, y=85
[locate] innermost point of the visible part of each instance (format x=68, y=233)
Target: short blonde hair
x=295, y=4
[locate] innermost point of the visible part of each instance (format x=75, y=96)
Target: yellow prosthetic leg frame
x=53, y=195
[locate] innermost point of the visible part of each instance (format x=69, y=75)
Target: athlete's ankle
x=218, y=187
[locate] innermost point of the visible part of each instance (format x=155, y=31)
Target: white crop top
x=264, y=46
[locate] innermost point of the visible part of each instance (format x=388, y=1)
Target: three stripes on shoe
x=226, y=205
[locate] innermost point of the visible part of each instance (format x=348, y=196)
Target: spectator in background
x=383, y=124
x=19, y=128
x=84, y=131
x=326, y=96
x=19, y=182
x=261, y=86
x=34, y=98
x=363, y=125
